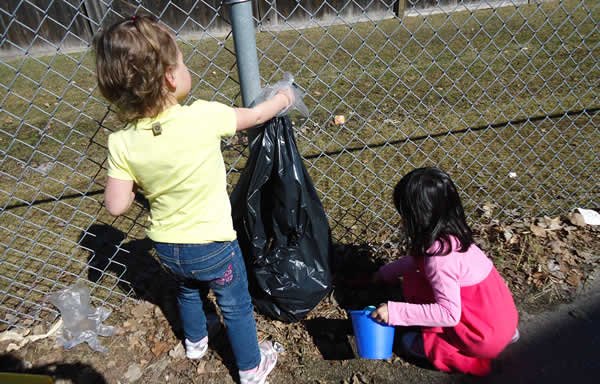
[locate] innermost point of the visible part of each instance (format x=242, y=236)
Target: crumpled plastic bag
x=81, y=322
x=282, y=227
x=287, y=82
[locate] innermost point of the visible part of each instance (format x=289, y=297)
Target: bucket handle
x=366, y=310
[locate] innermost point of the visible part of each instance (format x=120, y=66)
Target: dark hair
x=132, y=57
x=430, y=206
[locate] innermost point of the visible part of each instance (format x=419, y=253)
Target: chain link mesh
x=503, y=95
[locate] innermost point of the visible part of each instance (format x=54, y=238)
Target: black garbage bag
x=281, y=226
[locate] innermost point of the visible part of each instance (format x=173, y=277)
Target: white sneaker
x=197, y=350
x=268, y=359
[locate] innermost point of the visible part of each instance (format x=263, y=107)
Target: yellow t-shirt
x=181, y=171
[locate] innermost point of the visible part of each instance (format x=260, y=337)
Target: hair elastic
x=133, y=18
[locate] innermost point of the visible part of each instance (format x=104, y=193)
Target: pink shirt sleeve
x=443, y=274
x=446, y=275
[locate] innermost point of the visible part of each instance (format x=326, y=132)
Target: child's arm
x=118, y=195
x=257, y=115
x=442, y=273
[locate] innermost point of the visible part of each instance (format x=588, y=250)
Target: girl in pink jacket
x=452, y=289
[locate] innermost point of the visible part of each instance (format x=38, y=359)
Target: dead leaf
x=141, y=310
x=277, y=324
x=159, y=348
x=212, y=366
x=558, y=275
x=577, y=219
x=570, y=259
x=537, y=279
x=358, y=378
x=178, y=352
x=201, y=368
x=133, y=342
x=573, y=278
x=537, y=231
x=552, y=223
x=511, y=236
x=586, y=256
x=508, y=235
x=488, y=209
x=553, y=265
x=558, y=247
x=134, y=372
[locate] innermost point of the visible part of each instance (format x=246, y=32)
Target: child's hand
x=381, y=313
x=286, y=87
x=289, y=95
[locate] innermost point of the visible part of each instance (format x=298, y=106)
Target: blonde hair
x=132, y=57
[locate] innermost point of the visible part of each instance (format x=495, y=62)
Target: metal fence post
x=242, y=24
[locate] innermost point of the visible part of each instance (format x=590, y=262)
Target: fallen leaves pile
x=546, y=257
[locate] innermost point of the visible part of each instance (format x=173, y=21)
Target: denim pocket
x=215, y=266
x=232, y=276
x=206, y=261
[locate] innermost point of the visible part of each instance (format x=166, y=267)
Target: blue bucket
x=373, y=340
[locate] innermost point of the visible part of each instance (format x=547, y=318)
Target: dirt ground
x=551, y=264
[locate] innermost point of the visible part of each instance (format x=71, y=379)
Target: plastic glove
x=286, y=83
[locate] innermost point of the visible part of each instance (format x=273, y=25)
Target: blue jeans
x=222, y=266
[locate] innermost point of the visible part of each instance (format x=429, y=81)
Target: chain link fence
x=503, y=95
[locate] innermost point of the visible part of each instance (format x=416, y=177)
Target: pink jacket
x=446, y=274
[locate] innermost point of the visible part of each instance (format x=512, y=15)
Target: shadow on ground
x=139, y=273
x=331, y=337
x=556, y=347
x=76, y=373
x=353, y=267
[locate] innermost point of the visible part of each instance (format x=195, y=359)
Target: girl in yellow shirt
x=172, y=152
